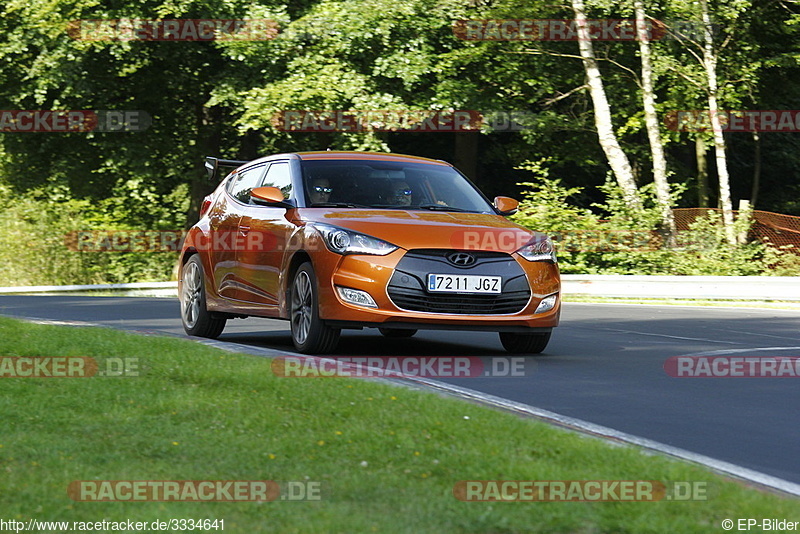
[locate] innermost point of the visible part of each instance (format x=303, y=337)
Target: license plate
x=464, y=283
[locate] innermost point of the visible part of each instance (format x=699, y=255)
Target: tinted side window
x=279, y=176
x=242, y=184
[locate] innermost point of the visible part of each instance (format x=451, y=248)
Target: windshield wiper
x=337, y=205
x=439, y=207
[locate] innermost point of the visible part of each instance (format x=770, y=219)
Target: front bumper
x=396, y=283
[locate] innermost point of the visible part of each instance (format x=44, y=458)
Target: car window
x=279, y=176
x=244, y=182
x=390, y=185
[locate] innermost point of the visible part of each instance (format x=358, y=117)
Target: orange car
x=348, y=240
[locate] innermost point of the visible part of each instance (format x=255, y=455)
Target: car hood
x=415, y=229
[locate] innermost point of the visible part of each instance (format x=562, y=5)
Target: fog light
x=356, y=296
x=547, y=304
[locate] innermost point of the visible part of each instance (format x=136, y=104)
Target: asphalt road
x=605, y=364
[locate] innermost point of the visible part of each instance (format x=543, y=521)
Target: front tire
x=310, y=334
x=524, y=343
x=196, y=319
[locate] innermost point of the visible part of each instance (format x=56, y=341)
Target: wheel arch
x=298, y=258
x=205, y=261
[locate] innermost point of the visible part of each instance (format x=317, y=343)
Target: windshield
x=389, y=185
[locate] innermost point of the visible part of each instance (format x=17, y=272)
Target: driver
x=401, y=193
x=320, y=190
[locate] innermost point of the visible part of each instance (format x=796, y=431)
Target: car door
x=267, y=231
x=225, y=232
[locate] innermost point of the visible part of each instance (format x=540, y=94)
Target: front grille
x=422, y=301
x=407, y=285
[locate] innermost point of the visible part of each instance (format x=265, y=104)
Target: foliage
x=37, y=246
x=545, y=208
x=628, y=241
x=219, y=98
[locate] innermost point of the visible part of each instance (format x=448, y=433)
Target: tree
x=652, y=125
x=720, y=72
x=710, y=64
x=617, y=159
x=44, y=68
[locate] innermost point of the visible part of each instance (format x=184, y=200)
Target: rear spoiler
x=213, y=164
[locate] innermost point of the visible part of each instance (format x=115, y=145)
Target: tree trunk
x=209, y=136
x=710, y=64
x=700, y=151
x=617, y=159
x=465, y=154
x=745, y=214
x=756, y=170
x=653, y=132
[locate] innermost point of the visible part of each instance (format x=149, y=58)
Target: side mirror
x=211, y=166
x=268, y=195
x=506, y=205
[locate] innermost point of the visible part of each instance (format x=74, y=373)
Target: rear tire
x=397, y=332
x=524, y=343
x=196, y=319
x=310, y=334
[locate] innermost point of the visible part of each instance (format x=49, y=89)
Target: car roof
x=342, y=154
x=351, y=155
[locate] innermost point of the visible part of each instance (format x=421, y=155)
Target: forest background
x=597, y=153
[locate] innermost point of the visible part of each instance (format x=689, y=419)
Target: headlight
x=343, y=241
x=539, y=249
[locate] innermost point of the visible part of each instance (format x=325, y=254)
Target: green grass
x=387, y=457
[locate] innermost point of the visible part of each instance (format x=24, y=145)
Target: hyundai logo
x=461, y=259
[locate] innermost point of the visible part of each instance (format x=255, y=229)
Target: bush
x=629, y=241
x=34, y=245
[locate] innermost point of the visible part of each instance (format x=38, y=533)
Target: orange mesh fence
x=775, y=228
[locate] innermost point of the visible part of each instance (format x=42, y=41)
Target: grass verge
x=387, y=458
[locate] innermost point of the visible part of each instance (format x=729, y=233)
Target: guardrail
x=782, y=288
x=155, y=289
x=760, y=288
